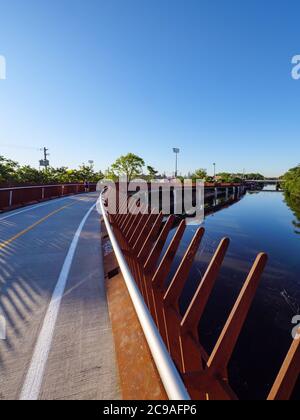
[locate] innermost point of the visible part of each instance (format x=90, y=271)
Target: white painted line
x=34, y=378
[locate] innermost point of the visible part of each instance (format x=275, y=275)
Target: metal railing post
x=10, y=198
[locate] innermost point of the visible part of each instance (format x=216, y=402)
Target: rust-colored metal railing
x=142, y=238
x=18, y=196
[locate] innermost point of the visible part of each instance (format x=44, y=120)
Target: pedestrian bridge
x=59, y=342
x=264, y=181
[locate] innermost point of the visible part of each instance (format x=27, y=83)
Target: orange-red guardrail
x=142, y=238
x=19, y=196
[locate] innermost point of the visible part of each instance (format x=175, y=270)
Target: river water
x=261, y=221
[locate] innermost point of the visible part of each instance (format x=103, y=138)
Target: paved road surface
x=58, y=337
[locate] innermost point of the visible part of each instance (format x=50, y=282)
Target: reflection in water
x=259, y=222
x=294, y=205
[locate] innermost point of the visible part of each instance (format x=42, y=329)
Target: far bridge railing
x=13, y=197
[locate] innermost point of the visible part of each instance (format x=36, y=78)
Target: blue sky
x=96, y=79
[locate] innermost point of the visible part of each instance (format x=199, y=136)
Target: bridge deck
x=70, y=356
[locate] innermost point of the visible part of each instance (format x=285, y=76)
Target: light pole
x=214, y=171
x=176, y=151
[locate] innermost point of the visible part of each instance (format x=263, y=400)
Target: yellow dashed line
x=18, y=235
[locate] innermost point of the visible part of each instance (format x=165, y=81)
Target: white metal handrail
x=169, y=375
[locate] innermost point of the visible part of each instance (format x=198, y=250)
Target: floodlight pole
x=176, y=151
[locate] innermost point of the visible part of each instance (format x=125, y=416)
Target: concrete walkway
x=61, y=346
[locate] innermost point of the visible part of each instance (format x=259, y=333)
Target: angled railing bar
x=150, y=240
x=160, y=276
x=288, y=375
x=189, y=337
x=144, y=231
x=153, y=258
x=126, y=218
x=137, y=221
x=137, y=230
x=142, y=256
x=176, y=287
x=166, y=263
x=170, y=377
x=222, y=352
x=128, y=221
x=197, y=306
x=148, y=246
x=171, y=313
x=132, y=220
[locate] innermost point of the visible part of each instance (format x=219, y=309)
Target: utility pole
x=45, y=162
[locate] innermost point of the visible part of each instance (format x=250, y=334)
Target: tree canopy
x=152, y=173
x=292, y=181
x=12, y=173
x=130, y=165
x=200, y=174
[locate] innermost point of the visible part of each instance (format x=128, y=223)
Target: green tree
x=66, y=175
x=85, y=173
x=56, y=175
x=12, y=172
x=291, y=181
x=109, y=174
x=130, y=165
x=8, y=170
x=200, y=174
x=27, y=174
x=226, y=177
x=152, y=173
x=255, y=176
x=294, y=203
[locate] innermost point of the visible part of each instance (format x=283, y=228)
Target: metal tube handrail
x=169, y=375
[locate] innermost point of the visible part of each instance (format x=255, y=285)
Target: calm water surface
x=259, y=222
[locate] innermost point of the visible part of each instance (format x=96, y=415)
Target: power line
x=15, y=146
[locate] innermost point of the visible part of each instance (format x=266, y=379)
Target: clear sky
x=95, y=79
